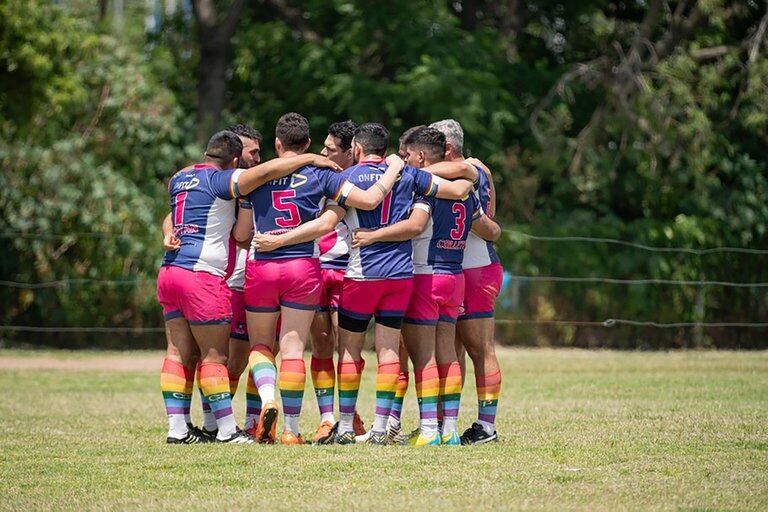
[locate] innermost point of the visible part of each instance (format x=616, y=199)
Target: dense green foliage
x=638, y=120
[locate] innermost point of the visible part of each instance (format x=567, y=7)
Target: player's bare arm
x=170, y=242
x=254, y=177
x=398, y=232
x=452, y=190
x=486, y=228
x=452, y=170
x=331, y=216
x=242, y=231
x=371, y=198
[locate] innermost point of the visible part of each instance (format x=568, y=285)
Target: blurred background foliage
x=642, y=120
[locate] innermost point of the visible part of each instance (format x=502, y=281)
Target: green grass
x=580, y=430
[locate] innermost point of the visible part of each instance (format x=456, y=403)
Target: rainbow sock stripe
x=488, y=390
x=262, y=367
x=427, y=391
x=293, y=375
x=234, y=383
x=450, y=389
x=386, y=384
x=324, y=382
x=209, y=420
x=252, y=403
x=397, y=402
x=350, y=373
x=177, y=391
x=214, y=382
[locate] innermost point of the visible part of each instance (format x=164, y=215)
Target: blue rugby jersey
x=334, y=248
x=439, y=249
x=285, y=203
x=479, y=252
x=385, y=260
x=203, y=213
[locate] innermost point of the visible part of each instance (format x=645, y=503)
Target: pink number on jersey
x=281, y=203
x=178, y=209
x=386, y=207
x=461, y=221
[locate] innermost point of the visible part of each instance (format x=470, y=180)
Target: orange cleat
x=291, y=438
x=324, y=433
x=358, y=426
x=266, y=430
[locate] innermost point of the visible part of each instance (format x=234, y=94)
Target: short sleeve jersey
x=385, y=260
x=479, y=252
x=285, y=203
x=203, y=213
x=439, y=249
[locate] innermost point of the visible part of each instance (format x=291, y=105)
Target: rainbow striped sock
x=427, y=391
x=350, y=373
x=450, y=394
x=214, y=381
x=386, y=383
x=209, y=420
x=176, y=395
x=293, y=375
x=324, y=381
x=262, y=366
x=488, y=390
x=252, y=403
x=234, y=383
x=397, y=402
x=189, y=386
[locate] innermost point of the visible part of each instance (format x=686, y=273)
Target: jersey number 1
x=178, y=208
x=281, y=202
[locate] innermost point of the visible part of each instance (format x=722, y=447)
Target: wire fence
x=607, y=323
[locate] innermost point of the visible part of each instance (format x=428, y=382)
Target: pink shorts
x=239, y=328
x=293, y=283
x=436, y=297
x=385, y=298
x=482, y=288
x=333, y=282
x=199, y=297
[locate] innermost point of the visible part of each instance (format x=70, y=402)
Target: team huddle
x=263, y=257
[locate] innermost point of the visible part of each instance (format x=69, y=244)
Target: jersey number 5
x=460, y=211
x=281, y=202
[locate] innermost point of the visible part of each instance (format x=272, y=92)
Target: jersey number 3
x=460, y=211
x=281, y=202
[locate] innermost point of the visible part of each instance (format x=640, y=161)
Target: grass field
x=580, y=430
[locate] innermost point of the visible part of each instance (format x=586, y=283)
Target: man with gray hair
x=482, y=275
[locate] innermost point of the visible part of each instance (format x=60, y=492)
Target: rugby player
x=191, y=283
x=334, y=255
x=379, y=279
x=439, y=229
x=483, y=276
x=287, y=281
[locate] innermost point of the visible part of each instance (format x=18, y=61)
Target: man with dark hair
x=440, y=228
x=334, y=255
x=292, y=133
x=378, y=281
x=402, y=150
x=285, y=280
x=251, y=139
x=191, y=284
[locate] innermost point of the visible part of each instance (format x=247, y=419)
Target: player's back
x=285, y=203
x=439, y=249
x=203, y=213
x=479, y=252
x=384, y=260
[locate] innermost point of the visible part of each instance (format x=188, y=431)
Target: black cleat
x=378, y=439
x=208, y=436
x=476, y=434
x=345, y=438
x=190, y=438
x=239, y=437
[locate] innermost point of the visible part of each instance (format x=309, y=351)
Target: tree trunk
x=214, y=33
